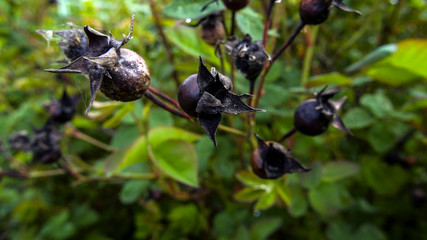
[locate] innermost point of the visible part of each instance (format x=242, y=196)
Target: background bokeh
x=368, y=186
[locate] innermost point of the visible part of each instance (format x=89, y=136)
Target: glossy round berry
x=310, y=120
x=189, y=95
x=235, y=5
x=314, y=12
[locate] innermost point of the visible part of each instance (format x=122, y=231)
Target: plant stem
x=297, y=30
x=308, y=58
x=158, y=24
x=232, y=130
x=165, y=106
x=288, y=134
x=267, y=23
x=164, y=96
x=233, y=23
x=79, y=135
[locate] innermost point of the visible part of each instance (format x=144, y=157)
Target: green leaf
x=283, y=191
x=114, y=160
x=369, y=232
x=161, y=134
x=312, y=178
x=357, y=118
x=124, y=136
x=250, y=179
x=204, y=150
x=331, y=78
x=187, y=39
x=389, y=74
x=299, y=205
x=137, y=152
x=117, y=118
x=380, y=138
x=248, y=194
x=263, y=228
x=378, y=54
x=384, y=179
x=184, y=9
x=412, y=56
x=266, y=200
x=250, y=23
x=177, y=158
x=186, y=219
x=418, y=104
x=326, y=199
x=337, y=170
x=131, y=190
x=378, y=104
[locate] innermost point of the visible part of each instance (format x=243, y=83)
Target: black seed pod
x=45, y=145
x=235, y=5
x=270, y=160
x=19, y=141
x=313, y=116
x=250, y=57
x=212, y=28
x=73, y=43
x=119, y=73
x=313, y=12
x=206, y=95
x=63, y=110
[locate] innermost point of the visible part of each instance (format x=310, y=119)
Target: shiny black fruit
x=206, y=95
x=313, y=116
x=189, y=95
x=270, y=160
x=235, y=5
x=314, y=12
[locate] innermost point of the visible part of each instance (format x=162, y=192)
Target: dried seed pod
x=119, y=73
x=206, y=95
x=212, y=28
x=313, y=12
x=62, y=110
x=45, y=145
x=270, y=160
x=313, y=116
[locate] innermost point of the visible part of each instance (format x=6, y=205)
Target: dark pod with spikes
x=250, y=57
x=233, y=5
x=119, y=73
x=74, y=42
x=270, y=160
x=313, y=116
x=206, y=95
x=313, y=12
x=62, y=110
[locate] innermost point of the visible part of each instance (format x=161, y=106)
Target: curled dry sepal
x=73, y=43
x=210, y=96
x=119, y=73
x=313, y=116
x=314, y=12
x=215, y=99
x=270, y=160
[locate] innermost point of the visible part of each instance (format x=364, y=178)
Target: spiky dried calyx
x=313, y=116
x=270, y=160
x=207, y=95
x=119, y=73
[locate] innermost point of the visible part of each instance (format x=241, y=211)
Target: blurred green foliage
x=146, y=174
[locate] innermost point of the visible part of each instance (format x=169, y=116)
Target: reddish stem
x=164, y=97
x=267, y=23
x=165, y=106
x=288, y=42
